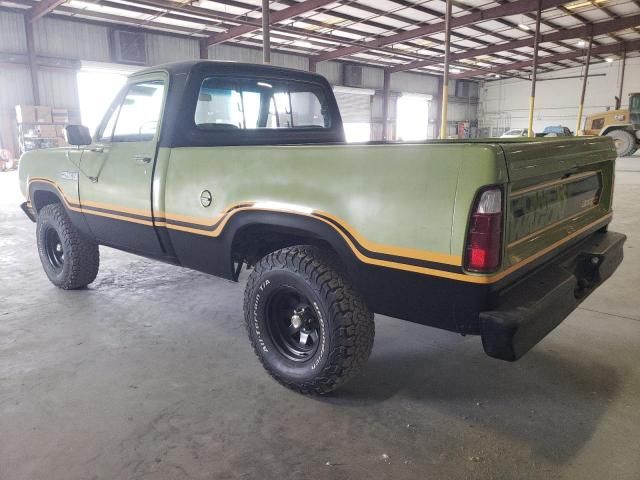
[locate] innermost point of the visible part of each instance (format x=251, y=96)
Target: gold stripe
x=479, y=279
x=540, y=186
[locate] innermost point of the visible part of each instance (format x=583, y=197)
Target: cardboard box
x=60, y=115
x=61, y=119
x=43, y=114
x=25, y=114
x=47, y=131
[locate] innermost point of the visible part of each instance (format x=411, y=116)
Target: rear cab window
x=266, y=104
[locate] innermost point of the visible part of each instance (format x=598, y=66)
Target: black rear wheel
x=308, y=327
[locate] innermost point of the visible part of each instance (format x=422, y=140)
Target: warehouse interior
x=148, y=373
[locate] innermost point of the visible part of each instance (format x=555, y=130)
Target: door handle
x=141, y=159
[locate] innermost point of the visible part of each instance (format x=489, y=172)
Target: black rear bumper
x=527, y=311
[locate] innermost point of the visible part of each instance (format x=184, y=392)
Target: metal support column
x=204, y=49
x=445, y=78
x=532, y=97
x=266, y=34
x=33, y=64
x=313, y=65
x=584, y=84
x=624, y=65
x=385, y=105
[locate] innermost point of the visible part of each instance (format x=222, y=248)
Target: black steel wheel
x=69, y=258
x=293, y=324
x=309, y=328
x=53, y=248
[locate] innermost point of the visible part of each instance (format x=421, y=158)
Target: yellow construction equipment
x=620, y=124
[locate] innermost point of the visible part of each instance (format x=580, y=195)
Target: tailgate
x=558, y=189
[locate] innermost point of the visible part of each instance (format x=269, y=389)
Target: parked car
x=515, y=132
x=556, y=131
x=217, y=166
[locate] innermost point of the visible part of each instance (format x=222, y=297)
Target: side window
x=246, y=104
x=597, y=124
x=138, y=116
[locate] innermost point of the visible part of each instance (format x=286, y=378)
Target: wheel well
x=628, y=129
x=253, y=242
x=41, y=198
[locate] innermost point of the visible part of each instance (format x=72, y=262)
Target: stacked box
x=43, y=114
x=60, y=115
x=25, y=114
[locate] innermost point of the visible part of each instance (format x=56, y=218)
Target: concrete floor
x=149, y=374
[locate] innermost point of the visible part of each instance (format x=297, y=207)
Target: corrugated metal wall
x=12, y=34
x=79, y=41
x=165, y=49
x=252, y=55
x=69, y=39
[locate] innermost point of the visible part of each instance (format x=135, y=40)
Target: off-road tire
x=81, y=257
x=346, y=326
x=625, y=142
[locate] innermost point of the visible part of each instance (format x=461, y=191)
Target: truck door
x=117, y=169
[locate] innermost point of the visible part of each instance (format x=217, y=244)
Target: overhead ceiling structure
x=489, y=38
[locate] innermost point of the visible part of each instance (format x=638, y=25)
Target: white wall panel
x=332, y=71
x=12, y=34
x=251, y=55
x=61, y=38
x=557, y=99
x=59, y=88
x=15, y=86
x=165, y=49
x=413, y=83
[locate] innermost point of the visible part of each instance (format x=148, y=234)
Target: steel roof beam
x=599, y=50
x=43, y=7
x=594, y=29
x=275, y=17
x=514, y=8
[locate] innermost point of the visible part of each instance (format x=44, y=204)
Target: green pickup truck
x=214, y=166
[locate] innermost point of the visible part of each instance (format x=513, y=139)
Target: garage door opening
x=413, y=117
x=355, y=110
x=98, y=85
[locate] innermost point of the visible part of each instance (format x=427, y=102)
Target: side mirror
x=77, y=135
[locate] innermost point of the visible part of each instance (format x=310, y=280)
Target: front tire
x=69, y=258
x=625, y=142
x=308, y=327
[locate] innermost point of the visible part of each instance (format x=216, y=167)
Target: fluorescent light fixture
x=522, y=26
x=582, y=43
x=497, y=75
x=454, y=70
x=303, y=44
x=265, y=84
x=608, y=59
x=580, y=4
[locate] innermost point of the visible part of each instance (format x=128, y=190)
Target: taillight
x=484, y=241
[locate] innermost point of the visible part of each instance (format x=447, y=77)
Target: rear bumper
x=527, y=311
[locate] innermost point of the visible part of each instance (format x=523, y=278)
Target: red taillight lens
x=484, y=242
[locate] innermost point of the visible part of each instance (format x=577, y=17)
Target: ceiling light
x=582, y=43
x=497, y=75
x=608, y=59
x=454, y=70
x=303, y=44
x=522, y=26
